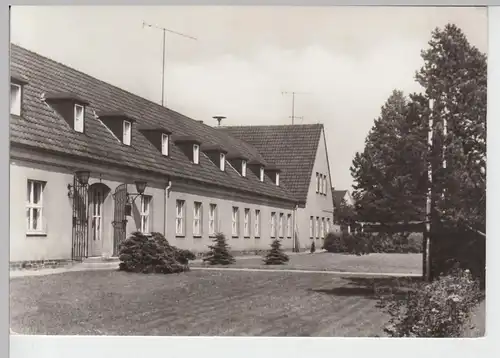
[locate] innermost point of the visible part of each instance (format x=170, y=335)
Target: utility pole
x=429, y=204
x=165, y=30
x=293, y=117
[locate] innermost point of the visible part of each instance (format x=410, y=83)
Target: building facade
x=90, y=164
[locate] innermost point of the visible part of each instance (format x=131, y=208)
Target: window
x=311, y=227
x=273, y=224
x=327, y=225
x=277, y=179
x=212, y=219
x=164, y=144
x=197, y=222
x=179, y=218
x=317, y=228
x=257, y=223
x=222, y=161
x=244, y=168
x=34, y=206
x=235, y=222
x=196, y=154
x=15, y=99
x=127, y=134
x=281, y=224
x=322, y=228
x=317, y=182
x=261, y=173
x=145, y=206
x=246, y=223
x=79, y=118
x=321, y=184
x=289, y=226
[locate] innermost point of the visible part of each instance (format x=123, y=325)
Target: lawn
x=325, y=261
x=195, y=303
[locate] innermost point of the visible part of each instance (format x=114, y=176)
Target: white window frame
x=311, y=227
x=257, y=223
x=273, y=224
x=165, y=141
x=235, y=227
x=180, y=222
x=222, y=162
x=277, y=179
x=317, y=182
x=196, y=154
x=322, y=230
x=212, y=219
x=127, y=136
x=317, y=228
x=145, y=211
x=244, y=168
x=197, y=219
x=281, y=226
x=15, y=101
x=79, y=120
x=246, y=223
x=289, y=226
x=31, y=207
x=328, y=224
x=261, y=173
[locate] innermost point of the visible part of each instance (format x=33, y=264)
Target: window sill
x=289, y=237
x=257, y=237
x=197, y=236
x=180, y=236
x=36, y=233
x=246, y=237
x=235, y=237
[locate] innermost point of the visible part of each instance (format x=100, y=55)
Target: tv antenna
x=165, y=30
x=293, y=117
x=219, y=119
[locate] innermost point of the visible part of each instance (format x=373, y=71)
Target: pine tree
x=276, y=256
x=454, y=76
x=390, y=174
x=219, y=252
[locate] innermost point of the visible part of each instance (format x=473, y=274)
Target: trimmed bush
x=345, y=243
x=140, y=253
x=276, y=256
x=437, y=309
x=219, y=252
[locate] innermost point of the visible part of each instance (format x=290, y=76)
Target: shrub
x=334, y=243
x=437, y=309
x=219, y=253
x=140, y=253
x=343, y=242
x=276, y=256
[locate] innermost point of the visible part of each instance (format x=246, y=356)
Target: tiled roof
x=42, y=127
x=338, y=195
x=292, y=148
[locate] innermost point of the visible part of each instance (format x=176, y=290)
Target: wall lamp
x=140, y=186
x=82, y=176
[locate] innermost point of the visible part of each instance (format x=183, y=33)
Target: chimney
x=219, y=119
x=200, y=122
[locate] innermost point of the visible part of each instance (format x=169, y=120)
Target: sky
x=344, y=62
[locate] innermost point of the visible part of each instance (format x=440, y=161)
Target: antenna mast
x=293, y=117
x=165, y=30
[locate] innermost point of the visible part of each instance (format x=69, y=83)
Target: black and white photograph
x=263, y=171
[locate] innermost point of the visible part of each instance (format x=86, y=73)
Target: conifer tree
x=219, y=252
x=276, y=256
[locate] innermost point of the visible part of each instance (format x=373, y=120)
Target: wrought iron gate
x=79, y=249
x=120, y=219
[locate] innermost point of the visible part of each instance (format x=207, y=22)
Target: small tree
x=219, y=252
x=276, y=256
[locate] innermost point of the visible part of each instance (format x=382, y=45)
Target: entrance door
x=96, y=202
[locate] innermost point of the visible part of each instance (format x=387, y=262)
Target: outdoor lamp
x=82, y=176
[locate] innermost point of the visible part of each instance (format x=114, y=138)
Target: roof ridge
x=274, y=125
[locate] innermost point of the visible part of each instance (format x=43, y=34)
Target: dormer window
x=15, y=99
x=196, y=154
x=164, y=144
x=261, y=173
x=222, y=162
x=277, y=179
x=127, y=132
x=79, y=118
x=244, y=168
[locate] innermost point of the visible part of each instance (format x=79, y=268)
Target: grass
x=195, y=303
x=373, y=263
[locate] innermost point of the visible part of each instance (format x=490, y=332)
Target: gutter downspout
x=167, y=194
